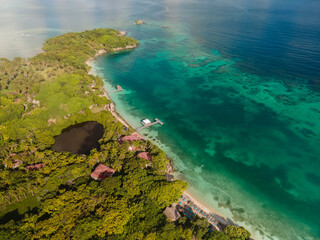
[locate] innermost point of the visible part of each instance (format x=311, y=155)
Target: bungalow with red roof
x=101, y=172
x=15, y=164
x=35, y=166
x=146, y=156
x=12, y=155
x=133, y=137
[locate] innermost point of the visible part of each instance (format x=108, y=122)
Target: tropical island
x=70, y=169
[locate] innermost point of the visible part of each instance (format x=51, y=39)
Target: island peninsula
x=116, y=188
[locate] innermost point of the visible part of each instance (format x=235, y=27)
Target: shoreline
x=92, y=72
x=205, y=207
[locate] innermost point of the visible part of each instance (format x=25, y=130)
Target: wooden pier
x=156, y=121
x=119, y=89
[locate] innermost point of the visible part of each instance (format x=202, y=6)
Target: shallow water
x=246, y=143
x=235, y=82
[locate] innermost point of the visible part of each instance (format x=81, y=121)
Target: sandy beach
x=206, y=208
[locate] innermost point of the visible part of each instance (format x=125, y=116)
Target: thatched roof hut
x=172, y=213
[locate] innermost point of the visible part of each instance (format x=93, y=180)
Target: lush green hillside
x=41, y=96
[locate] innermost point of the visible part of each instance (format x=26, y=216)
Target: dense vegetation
x=47, y=93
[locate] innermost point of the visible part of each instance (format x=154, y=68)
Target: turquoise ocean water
x=235, y=82
x=246, y=143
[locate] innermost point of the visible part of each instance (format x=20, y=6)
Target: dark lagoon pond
x=80, y=138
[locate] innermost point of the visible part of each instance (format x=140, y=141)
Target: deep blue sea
x=236, y=82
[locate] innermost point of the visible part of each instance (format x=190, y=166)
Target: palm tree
x=117, y=166
x=22, y=190
x=7, y=198
x=30, y=188
x=12, y=193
